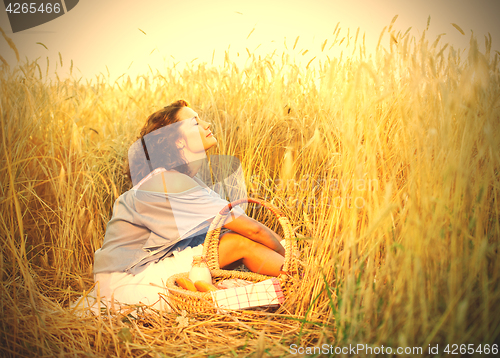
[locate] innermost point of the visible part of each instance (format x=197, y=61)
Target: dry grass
x=389, y=163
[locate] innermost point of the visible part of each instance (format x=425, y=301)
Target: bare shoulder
x=169, y=181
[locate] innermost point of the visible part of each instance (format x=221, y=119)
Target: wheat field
x=387, y=166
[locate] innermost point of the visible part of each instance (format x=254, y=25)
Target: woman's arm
x=255, y=231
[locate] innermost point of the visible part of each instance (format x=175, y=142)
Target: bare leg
x=257, y=257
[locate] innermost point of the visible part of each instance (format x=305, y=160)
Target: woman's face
x=197, y=136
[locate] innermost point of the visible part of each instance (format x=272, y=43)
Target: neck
x=194, y=167
x=194, y=163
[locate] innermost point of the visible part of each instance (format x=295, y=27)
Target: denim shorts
x=191, y=241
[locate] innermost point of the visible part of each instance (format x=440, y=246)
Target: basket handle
x=211, y=245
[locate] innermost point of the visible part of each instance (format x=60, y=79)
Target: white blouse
x=145, y=225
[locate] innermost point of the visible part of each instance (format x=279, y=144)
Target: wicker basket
x=202, y=301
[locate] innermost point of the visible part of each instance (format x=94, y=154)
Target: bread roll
x=186, y=283
x=202, y=286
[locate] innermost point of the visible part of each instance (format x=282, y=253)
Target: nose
x=206, y=125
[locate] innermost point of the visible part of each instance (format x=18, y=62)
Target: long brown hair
x=159, y=142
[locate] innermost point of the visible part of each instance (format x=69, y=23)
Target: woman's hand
x=255, y=231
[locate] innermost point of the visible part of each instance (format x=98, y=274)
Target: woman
x=161, y=223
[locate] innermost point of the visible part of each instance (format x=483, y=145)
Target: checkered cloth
x=260, y=294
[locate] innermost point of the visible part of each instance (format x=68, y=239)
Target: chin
x=213, y=145
x=210, y=145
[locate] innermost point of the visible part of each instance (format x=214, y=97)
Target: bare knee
x=235, y=241
x=233, y=247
